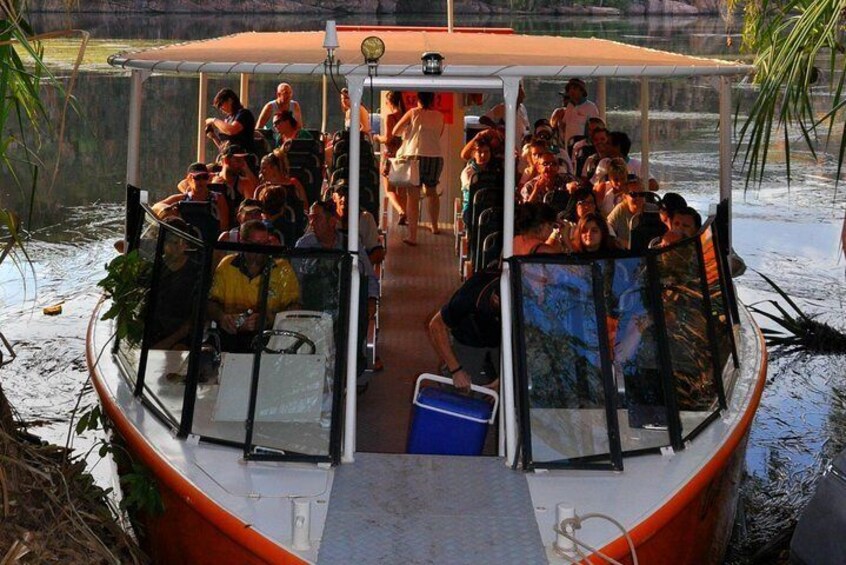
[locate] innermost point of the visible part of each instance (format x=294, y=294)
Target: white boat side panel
x=264, y=501
x=648, y=481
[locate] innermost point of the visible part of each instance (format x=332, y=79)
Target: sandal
x=403, y=221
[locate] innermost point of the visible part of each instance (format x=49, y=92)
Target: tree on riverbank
x=51, y=510
x=798, y=46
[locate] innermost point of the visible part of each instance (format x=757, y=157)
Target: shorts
x=430, y=173
x=481, y=363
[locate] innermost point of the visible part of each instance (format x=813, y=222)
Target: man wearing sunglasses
x=196, y=186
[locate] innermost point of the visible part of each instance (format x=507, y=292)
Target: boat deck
x=418, y=281
x=429, y=509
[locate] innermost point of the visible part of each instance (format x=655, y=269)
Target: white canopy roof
x=467, y=53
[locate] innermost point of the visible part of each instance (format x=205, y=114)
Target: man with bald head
x=284, y=102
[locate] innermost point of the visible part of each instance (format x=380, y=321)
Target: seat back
x=201, y=215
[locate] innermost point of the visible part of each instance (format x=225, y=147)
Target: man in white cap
x=572, y=118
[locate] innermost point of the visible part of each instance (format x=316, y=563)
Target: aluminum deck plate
x=432, y=510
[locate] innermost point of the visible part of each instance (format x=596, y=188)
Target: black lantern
x=433, y=63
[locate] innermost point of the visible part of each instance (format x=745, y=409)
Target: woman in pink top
x=421, y=130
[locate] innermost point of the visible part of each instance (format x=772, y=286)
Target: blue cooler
x=445, y=422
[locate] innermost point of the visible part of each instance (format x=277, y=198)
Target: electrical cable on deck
x=576, y=523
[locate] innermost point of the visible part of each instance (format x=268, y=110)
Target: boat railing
x=620, y=354
x=275, y=392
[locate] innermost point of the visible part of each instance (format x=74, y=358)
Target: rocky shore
x=635, y=7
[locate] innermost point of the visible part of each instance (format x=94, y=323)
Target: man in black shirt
x=466, y=332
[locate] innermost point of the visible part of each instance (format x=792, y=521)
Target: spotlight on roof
x=433, y=63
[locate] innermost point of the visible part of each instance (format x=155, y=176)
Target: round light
x=432, y=63
x=372, y=48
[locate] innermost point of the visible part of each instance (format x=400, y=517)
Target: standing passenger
x=396, y=195
x=283, y=102
x=364, y=115
x=571, y=119
x=422, y=128
x=238, y=126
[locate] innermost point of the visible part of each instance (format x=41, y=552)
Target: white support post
x=602, y=97
x=356, y=88
x=324, y=115
x=202, y=114
x=244, y=90
x=644, y=133
x=133, y=158
x=450, y=15
x=725, y=153
x=511, y=88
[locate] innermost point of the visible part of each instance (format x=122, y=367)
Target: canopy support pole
x=244, y=90
x=725, y=160
x=450, y=15
x=602, y=97
x=324, y=115
x=133, y=154
x=511, y=88
x=356, y=88
x=202, y=112
x=644, y=133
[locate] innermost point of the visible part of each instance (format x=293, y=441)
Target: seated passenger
x=288, y=128
x=477, y=163
x=670, y=203
x=275, y=171
x=283, y=102
x=584, y=148
x=176, y=291
x=367, y=229
x=547, y=181
x=496, y=116
x=599, y=139
x=323, y=234
x=545, y=134
x=582, y=202
x=609, y=192
x=286, y=222
x=198, y=191
x=592, y=235
x=466, y=332
x=346, y=107
x=238, y=180
x=237, y=127
x=493, y=137
x=620, y=218
x=235, y=292
x=619, y=145
x=533, y=229
x=248, y=210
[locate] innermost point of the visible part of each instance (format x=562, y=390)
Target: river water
x=789, y=233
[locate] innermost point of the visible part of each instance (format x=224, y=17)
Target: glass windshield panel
x=144, y=253
x=296, y=394
x=641, y=406
x=687, y=332
x=565, y=385
x=174, y=302
x=719, y=312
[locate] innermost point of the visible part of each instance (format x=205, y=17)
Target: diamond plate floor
x=418, y=281
x=427, y=509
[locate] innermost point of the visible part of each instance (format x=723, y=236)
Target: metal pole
x=324, y=116
x=450, y=17
x=245, y=90
x=133, y=161
x=602, y=97
x=644, y=132
x=725, y=157
x=356, y=88
x=202, y=113
x=511, y=88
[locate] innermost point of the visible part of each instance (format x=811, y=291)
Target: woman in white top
x=421, y=129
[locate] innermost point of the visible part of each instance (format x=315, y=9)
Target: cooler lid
x=459, y=404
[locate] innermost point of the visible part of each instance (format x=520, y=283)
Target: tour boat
x=629, y=382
